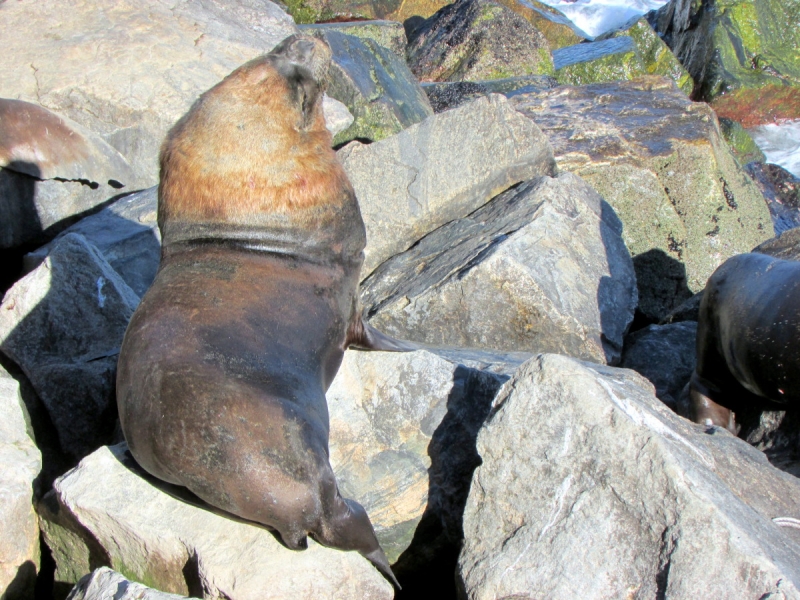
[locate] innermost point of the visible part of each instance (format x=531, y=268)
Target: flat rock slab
x=659, y=159
x=126, y=234
x=440, y=170
x=591, y=488
x=103, y=511
x=105, y=584
x=62, y=324
x=128, y=69
x=20, y=463
x=541, y=268
x=449, y=94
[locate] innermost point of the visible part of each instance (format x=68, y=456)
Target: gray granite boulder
x=128, y=69
x=389, y=34
x=107, y=512
x=126, y=234
x=472, y=40
x=659, y=159
x=402, y=441
x=375, y=84
x=440, y=170
x=105, y=584
x=540, y=268
x=20, y=463
x=591, y=488
x=665, y=355
x=62, y=324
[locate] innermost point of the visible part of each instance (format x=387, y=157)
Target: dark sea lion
x=224, y=366
x=747, y=340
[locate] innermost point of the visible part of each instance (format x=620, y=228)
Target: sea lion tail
x=364, y=336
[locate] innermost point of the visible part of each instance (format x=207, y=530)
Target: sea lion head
x=255, y=147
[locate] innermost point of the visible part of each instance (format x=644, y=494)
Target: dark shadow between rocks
x=426, y=569
x=662, y=284
x=17, y=195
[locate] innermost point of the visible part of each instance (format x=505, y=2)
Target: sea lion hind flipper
x=364, y=336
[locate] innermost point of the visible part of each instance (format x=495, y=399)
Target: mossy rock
x=595, y=62
x=742, y=145
x=557, y=29
x=742, y=54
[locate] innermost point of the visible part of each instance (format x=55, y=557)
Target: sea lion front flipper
x=364, y=336
x=706, y=411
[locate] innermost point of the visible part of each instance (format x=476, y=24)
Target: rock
x=51, y=171
x=781, y=190
x=20, y=463
x=106, y=512
x=742, y=55
x=591, y=488
x=661, y=163
x=688, y=310
x=613, y=59
x=450, y=94
x=337, y=116
x=105, y=584
x=126, y=234
x=63, y=324
x=440, y=170
x=556, y=28
x=785, y=246
x=403, y=429
x=389, y=34
x=742, y=145
x=375, y=84
x=472, y=40
x=128, y=69
x=655, y=55
x=777, y=434
x=540, y=268
x=665, y=355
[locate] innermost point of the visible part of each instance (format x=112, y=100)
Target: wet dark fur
x=225, y=364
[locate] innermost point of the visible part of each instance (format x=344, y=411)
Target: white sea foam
x=780, y=143
x=598, y=16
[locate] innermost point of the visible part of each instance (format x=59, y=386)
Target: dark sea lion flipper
x=364, y=336
x=704, y=410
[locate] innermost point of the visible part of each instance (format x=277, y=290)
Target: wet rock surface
x=781, y=190
x=659, y=160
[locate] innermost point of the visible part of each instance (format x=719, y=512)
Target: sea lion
x=747, y=336
x=224, y=366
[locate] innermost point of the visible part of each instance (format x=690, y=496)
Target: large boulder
x=51, y=171
x=540, y=268
x=126, y=234
x=20, y=463
x=660, y=161
x=445, y=95
x=107, y=512
x=62, y=324
x=781, y=190
x=591, y=488
x=389, y=34
x=742, y=54
x=128, y=69
x=440, y=170
x=403, y=429
x=104, y=584
x=556, y=28
x=477, y=39
x=375, y=84
x=614, y=59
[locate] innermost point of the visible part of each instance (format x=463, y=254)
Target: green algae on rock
x=474, y=40
x=656, y=56
x=742, y=145
x=660, y=161
x=594, y=62
x=742, y=54
x=557, y=29
x=389, y=34
x=375, y=84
